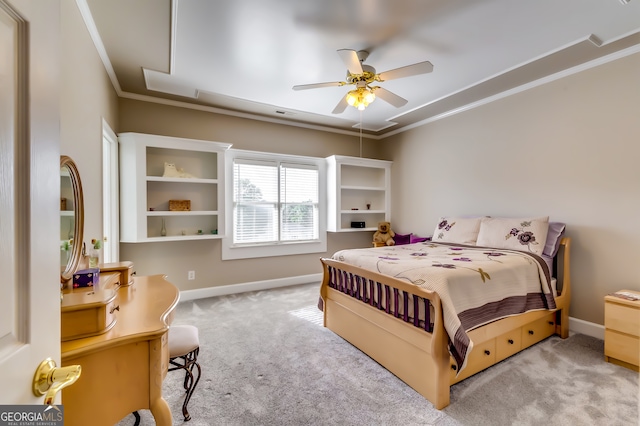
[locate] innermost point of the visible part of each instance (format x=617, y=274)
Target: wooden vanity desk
x=124, y=366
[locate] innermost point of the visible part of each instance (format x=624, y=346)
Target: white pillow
x=528, y=234
x=459, y=230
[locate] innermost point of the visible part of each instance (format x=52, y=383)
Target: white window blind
x=274, y=202
x=299, y=202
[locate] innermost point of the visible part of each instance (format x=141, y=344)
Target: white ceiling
x=244, y=56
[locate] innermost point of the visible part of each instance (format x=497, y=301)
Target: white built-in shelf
x=145, y=193
x=181, y=180
x=354, y=183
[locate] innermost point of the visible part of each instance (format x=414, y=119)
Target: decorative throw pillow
x=512, y=233
x=416, y=239
x=401, y=239
x=458, y=230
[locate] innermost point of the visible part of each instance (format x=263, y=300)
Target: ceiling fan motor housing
x=368, y=75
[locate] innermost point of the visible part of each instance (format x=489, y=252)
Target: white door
x=29, y=192
x=110, y=195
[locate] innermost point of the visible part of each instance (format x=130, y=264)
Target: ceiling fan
x=363, y=76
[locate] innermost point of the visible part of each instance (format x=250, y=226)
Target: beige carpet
x=267, y=361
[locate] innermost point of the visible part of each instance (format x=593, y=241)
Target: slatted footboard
x=384, y=297
x=377, y=314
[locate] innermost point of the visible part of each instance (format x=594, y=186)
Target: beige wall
x=87, y=98
x=568, y=149
x=158, y=119
x=204, y=257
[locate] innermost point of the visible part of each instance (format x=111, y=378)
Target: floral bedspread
x=476, y=285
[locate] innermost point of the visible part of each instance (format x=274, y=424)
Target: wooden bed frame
x=420, y=357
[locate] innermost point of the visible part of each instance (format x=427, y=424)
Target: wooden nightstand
x=622, y=331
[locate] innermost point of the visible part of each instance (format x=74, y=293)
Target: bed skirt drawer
x=482, y=356
x=538, y=330
x=508, y=344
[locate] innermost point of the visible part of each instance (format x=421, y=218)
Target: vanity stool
x=183, y=355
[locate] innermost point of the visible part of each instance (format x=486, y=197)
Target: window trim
x=288, y=248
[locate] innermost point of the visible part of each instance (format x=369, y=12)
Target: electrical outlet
x=191, y=275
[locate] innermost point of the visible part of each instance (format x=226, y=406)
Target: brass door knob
x=49, y=379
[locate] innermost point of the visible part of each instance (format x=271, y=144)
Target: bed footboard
x=397, y=324
x=401, y=325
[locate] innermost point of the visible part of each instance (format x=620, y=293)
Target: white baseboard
x=203, y=293
x=575, y=325
x=584, y=327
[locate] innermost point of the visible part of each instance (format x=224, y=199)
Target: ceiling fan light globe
x=361, y=107
x=352, y=98
x=369, y=97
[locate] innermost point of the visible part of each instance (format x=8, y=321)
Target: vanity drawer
x=88, y=314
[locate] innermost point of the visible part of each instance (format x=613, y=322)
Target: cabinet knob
x=454, y=367
x=531, y=332
x=510, y=341
x=487, y=352
x=551, y=323
x=115, y=308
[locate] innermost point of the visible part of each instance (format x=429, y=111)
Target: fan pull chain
x=360, y=134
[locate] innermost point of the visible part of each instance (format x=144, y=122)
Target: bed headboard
x=562, y=266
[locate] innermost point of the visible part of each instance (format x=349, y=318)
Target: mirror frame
x=78, y=213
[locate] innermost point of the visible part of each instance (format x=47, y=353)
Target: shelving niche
x=358, y=191
x=145, y=193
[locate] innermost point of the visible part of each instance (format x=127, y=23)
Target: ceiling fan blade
x=351, y=60
x=342, y=105
x=318, y=85
x=389, y=97
x=408, y=71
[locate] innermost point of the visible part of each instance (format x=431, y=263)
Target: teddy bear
x=384, y=235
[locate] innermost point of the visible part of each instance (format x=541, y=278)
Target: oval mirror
x=71, y=218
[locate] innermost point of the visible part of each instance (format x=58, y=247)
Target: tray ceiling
x=242, y=57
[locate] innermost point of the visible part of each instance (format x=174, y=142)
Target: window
x=275, y=205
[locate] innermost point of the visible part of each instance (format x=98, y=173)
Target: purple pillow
x=556, y=231
x=415, y=239
x=402, y=239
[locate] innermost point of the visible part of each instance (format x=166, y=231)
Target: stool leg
x=137, y=417
x=191, y=361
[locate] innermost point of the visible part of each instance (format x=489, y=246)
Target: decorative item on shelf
x=86, y=278
x=163, y=230
x=354, y=208
x=384, y=235
x=199, y=231
x=94, y=253
x=214, y=231
x=368, y=206
x=179, y=205
x=170, y=170
x=63, y=204
x=357, y=224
